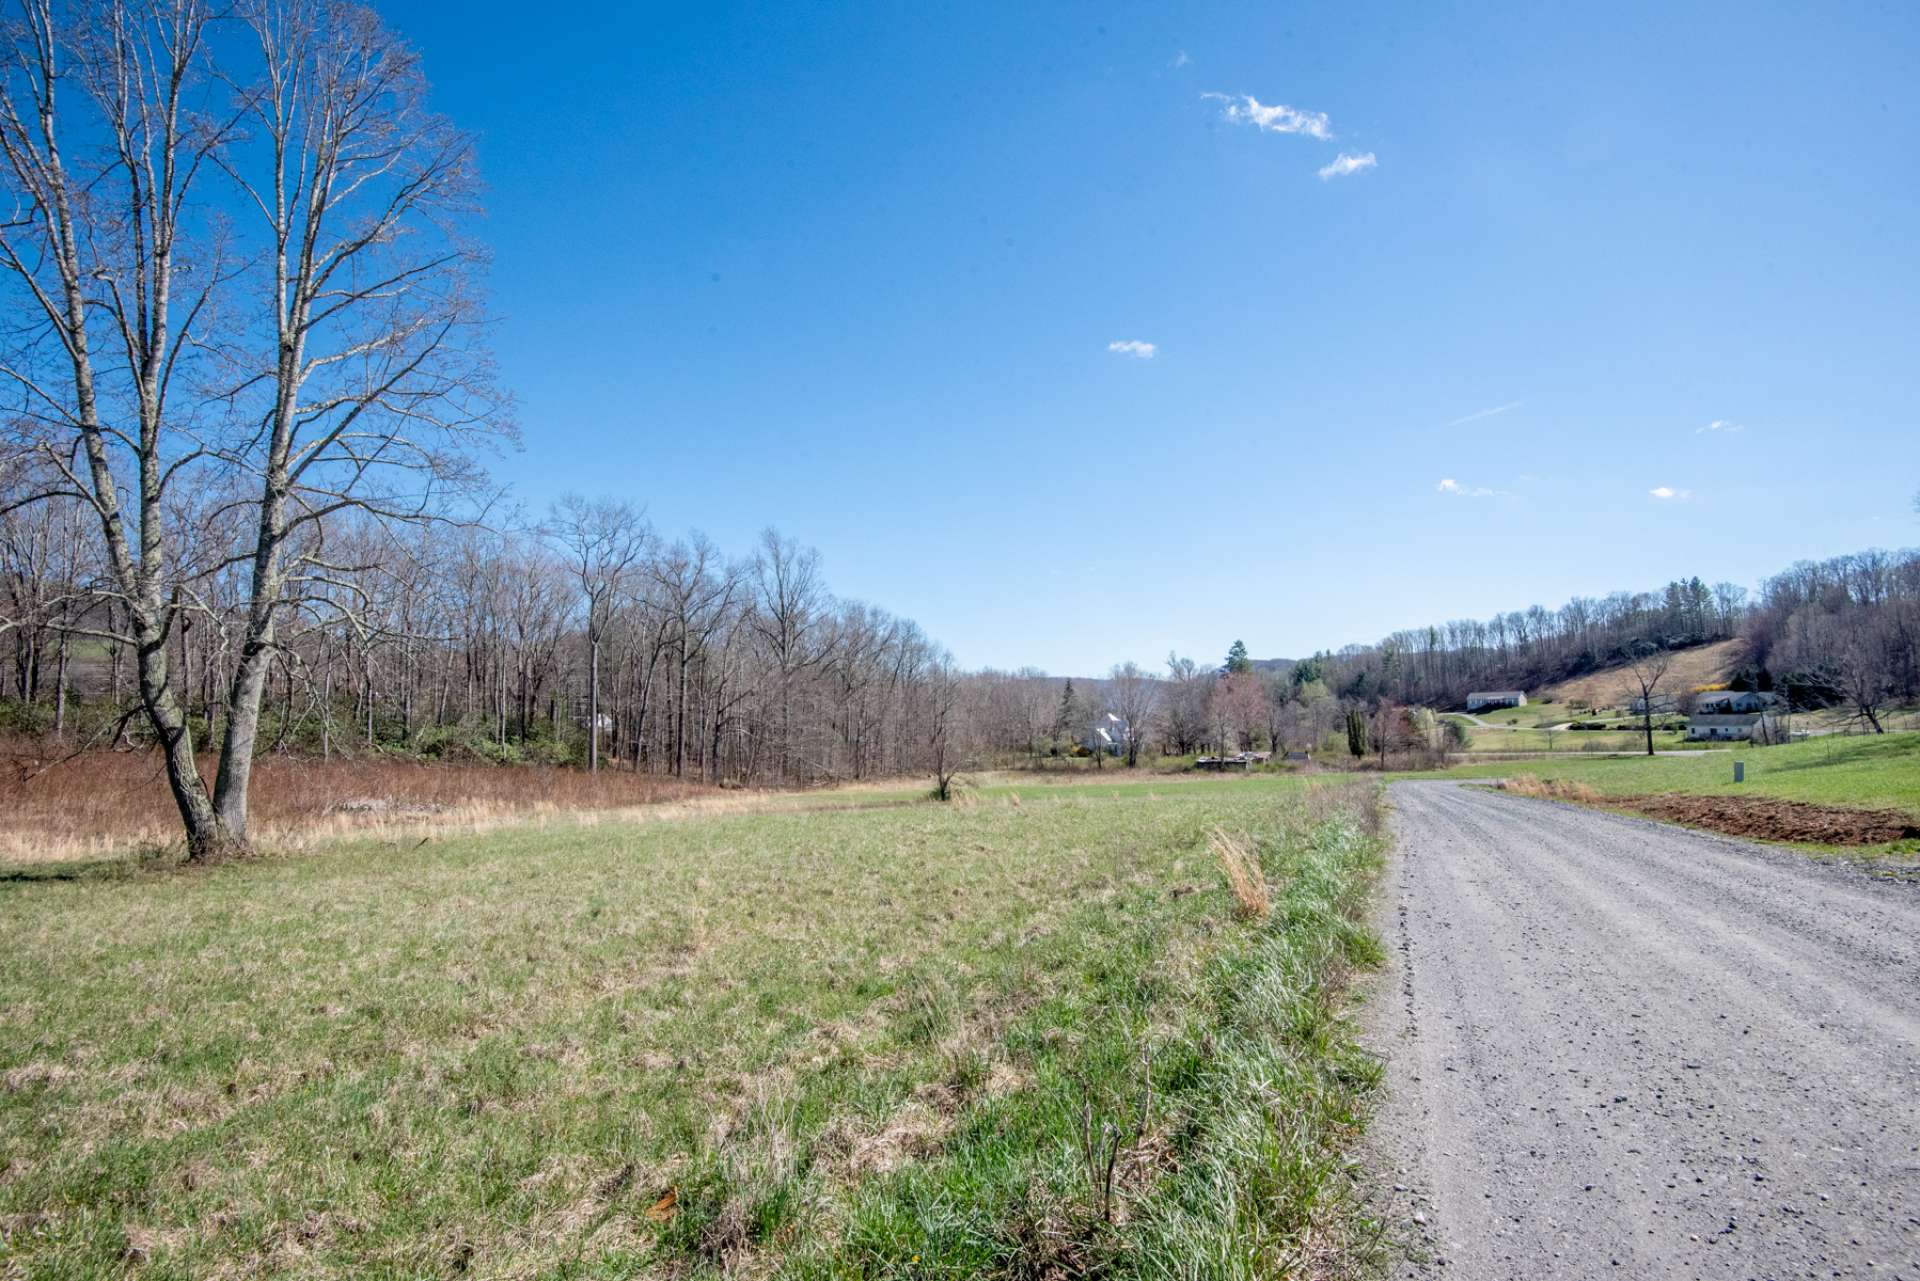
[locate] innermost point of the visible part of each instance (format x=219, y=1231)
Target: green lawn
x=1532, y=716
x=819, y=1043
x=1571, y=741
x=1866, y=772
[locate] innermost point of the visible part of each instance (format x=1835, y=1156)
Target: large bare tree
x=97, y=328
x=249, y=313
x=1134, y=694
x=604, y=542
x=787, y=606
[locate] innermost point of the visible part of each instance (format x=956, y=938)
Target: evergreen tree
x=1237, y=660
x=1068, y=716
x=1356, y=732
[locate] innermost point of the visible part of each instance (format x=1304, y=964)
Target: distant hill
x=1614, y=687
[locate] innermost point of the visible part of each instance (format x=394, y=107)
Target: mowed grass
x=1573, y=742
x=1525, y=729
x=1021, y=1036
x=1858, y=772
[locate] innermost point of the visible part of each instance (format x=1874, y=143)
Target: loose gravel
x=1622, y=1049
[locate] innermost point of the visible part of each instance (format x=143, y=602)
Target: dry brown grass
x=103, y=803
x=1558, y=789
x=1251, y=899
x=1701, y=665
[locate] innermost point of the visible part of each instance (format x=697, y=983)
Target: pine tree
x=1068, y=714
x=1237, y=660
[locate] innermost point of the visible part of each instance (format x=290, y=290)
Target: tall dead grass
x=1557, y=789
x=1252, y=901
x=102, y=803
x=1354, y=799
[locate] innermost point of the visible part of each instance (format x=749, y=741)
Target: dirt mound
x=1776, y=820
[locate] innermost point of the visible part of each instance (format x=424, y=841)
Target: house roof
x=1498, y=693
x=1753, y=699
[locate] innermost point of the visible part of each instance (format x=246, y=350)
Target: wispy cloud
x=1720, y=425
x=1135, y=348
x=1478, y=414
x=1181, y=60
x=1454, y=487
x=1245, y=109
x=1667, y=492
x=1347, y=163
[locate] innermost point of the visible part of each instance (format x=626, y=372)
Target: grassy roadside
x=1877, y=772
x=1862, y=772
x=841, y=1043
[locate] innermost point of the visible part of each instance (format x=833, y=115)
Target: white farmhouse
x=1496, y=698
x=1731, y=715
x=1107, y=734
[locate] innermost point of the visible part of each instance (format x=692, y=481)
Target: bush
x=463, y=743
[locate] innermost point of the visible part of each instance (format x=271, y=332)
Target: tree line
x=248, y=402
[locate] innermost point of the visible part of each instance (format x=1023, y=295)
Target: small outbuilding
x=1487, y=698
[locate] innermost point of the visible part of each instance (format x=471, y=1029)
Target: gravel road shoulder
x=1618, y=1048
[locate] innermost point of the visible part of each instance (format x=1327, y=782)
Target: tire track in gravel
x=1617, y=1048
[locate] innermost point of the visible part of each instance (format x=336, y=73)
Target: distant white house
x=1496, y=698
x=1107, y=734
x=1734, y=714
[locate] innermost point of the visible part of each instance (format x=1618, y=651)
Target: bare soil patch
x=1770, y=818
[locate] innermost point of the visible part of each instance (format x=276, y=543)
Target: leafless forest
x=245, y=506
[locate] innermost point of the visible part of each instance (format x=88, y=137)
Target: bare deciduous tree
x=1648, y=667
x=1134, y=695
x=604, y=542
x=250, y=315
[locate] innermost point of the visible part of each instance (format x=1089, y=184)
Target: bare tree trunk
x=60, y=690
x=593, y=703
x=326, y=702
x=680, y=719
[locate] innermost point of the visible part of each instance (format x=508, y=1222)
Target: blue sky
x=856, y=271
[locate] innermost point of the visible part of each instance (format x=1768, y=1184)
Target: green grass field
x=1863, y=772
x=1532, y=716
x=1571, y=742
x=822, y=1043
x=1527, y=729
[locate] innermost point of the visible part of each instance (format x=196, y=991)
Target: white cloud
x=1720, y=425
x=1245, y=109
x=1181, y=60
x=1454, y=487
x=1664, y=492
x=1347, y=163
x=1485, y=413
x=1135, y=348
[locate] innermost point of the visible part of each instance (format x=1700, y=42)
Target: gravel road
x=1621, y=1049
